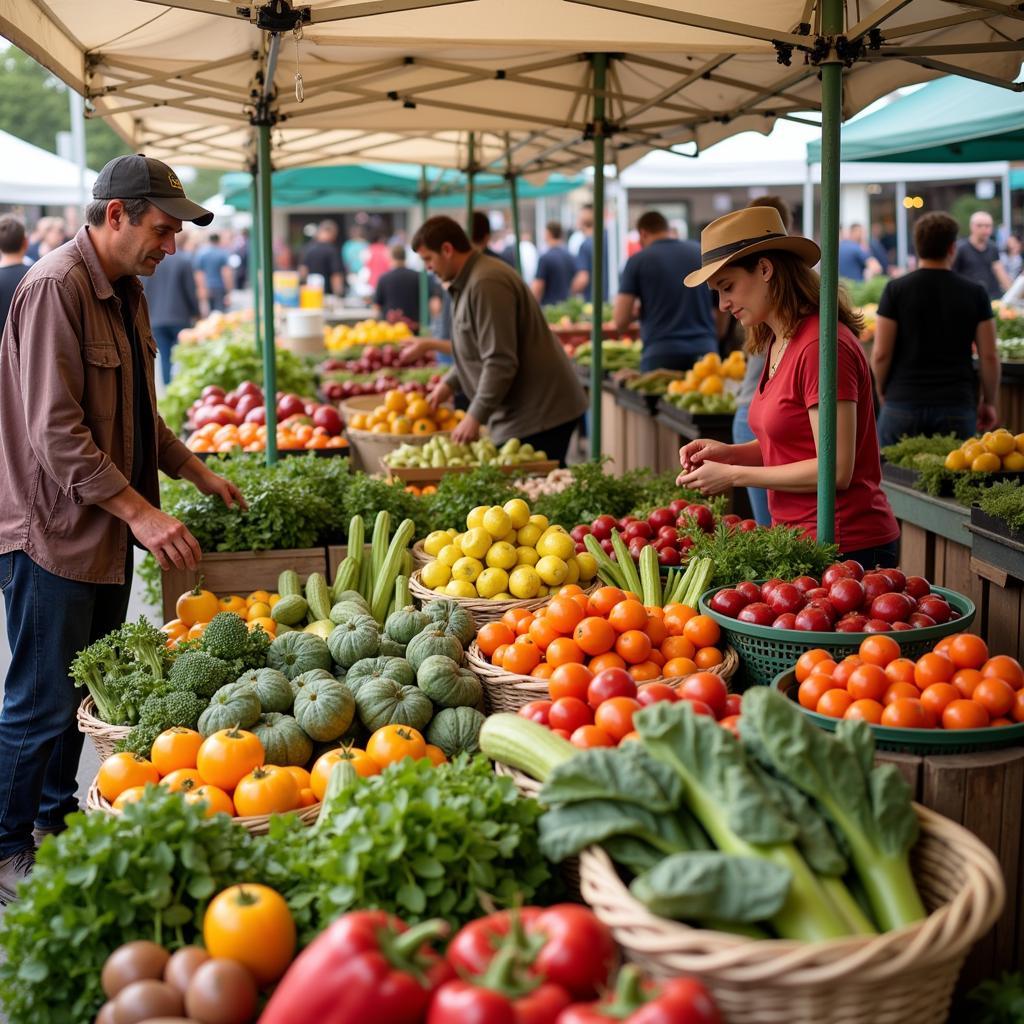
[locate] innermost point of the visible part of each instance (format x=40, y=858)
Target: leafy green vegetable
x=1004, y=501
x=459, y=493
x=868, y=805
x=907, y=450
x=111, y=878
x=998, y=1001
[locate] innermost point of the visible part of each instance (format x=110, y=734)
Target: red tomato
x=612, y=682
x=569, y=713
x=733, y=704
x=649, y=693
x=615, y=716
x=732, y=723
x=706, y=687
x=587, y=736
x=699, y=707
x=536, y=711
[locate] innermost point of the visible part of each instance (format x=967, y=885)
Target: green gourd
x=318, y=596
x=347, y=611
x=324, y=709
x=396, y=669
x=284, y=740
x=288, y=584
x=305, y=678
x=456, y=730
x=355, y=597
x=391, y=648
x=402, y=625
x=446, y=684
x=273, y=689
x=233, y=705
x=290, y=610
x=454, y=619
x=431, y=641
x=295, y=653
x=383, y=702
x=352, y=641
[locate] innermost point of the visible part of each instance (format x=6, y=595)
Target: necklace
x=773, y=366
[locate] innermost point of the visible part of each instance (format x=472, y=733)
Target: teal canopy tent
x=951, y=120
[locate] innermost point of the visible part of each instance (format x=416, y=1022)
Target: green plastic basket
x=915, y=741
x=765, y=652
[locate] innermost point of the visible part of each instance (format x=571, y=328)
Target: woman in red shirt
x=764, y=277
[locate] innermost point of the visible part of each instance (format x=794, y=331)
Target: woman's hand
x=708, y=477
x=702, y=450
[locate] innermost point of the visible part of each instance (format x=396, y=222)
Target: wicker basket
x=420, y=557
x=901, y=977
x=257, y=824
x=103, y=736
x=368, y=448
x=504, y=691
x=482, y=609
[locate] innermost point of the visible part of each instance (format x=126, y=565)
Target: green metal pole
x=600, y=65
x=513, y=192
x=424, y=283
x=254, y=263
x=267, y=291
x=470, y=172
x=831, y=114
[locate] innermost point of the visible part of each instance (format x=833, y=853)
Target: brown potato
x=182, y=965
x=134, y=961
x=221, y=992
x=143, y=1000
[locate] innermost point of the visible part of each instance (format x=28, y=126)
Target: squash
x=396, y=669
x=431, y=641
x=383, y=702
x=289, y=584
x=455, y=620
x=303, y=680
x=355, y=597
x=318, y=596
x=290, y=610
x=391, y=648
x=295, y=653
x=284, y=741
x=321, y=628
x=273, y=689
x=402, y=625
x=232, y=706
x=324, y=709
x=446, y=684
x=455, y=730
x=346, y=611
x=352, y=641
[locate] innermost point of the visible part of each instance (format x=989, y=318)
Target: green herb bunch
x=1004, y=501
x=907, y=451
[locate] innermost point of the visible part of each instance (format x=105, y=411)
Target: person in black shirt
x=928, y=323
x=398, y=291
x=555, y=269
x=480, y=236
x=977, y=257
x=173, y=303
x=322, y=256
x=12, y=261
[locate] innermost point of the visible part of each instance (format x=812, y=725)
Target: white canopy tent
x=35, y=177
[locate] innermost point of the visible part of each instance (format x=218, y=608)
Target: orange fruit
x=608, y=660
x=966, y=680
x=678, y=667
x=644, y=672
x=596, y=635
x=833, y=703
x=865, y=710
x=677, y=647
x=564, y=614
x=628, y=615
x=564, y=651
x=633, y=646
x=868, y=682
x=676, y=618
x=900, y=670
x=996, y=696
x=604, y=599
x=492, y=636
x=522, y=657
x=708, y=657
x=900, y=691
x=879, y=649
x=933, y=668
x=964, y=714
x=812, y=689
x=806, y=662
x=905, y=713
x=937, y=696
x=1002, y=666
x=702, y=631
x=543, y=633
x=967, y=651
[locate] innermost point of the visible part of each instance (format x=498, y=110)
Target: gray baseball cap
x=142, y=177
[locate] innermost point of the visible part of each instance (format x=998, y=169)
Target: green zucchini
x=525, y=745
x=289, y=584
x=318, y=596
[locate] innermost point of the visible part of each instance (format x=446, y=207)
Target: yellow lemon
x=512, y=537
x=436, y=575
x=1019, y=442
x=258, y=610
x=435, y=542
x=544, y=591
x=526, y=556
x=476, y=542
x=452, y=532
x=552, y=570
x=557, y=543
x=460, y=588
x=1000, y=443
x=986, y=463
x=475, y=518
x=503, y=596
x=588, y=566
x=501, y=556
x=467, y=569
x=492, y=582
x=497, y=522
x=956, y=460
x=972, y=449
x=449, y=555
x=1014, y=462
x=529, y=535
x=573, y=574
x=523, y=583
x=711, y=385
x=518, y=511
x=542, y=521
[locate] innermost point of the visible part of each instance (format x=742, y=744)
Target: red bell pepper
x=369, y=966
x=636, y=1001
x=565, y=944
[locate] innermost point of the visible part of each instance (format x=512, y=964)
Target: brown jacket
x=66, y=431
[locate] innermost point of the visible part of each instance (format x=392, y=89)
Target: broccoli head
x=162, y=710
x=226, y=636
x=128, y=693
x=199, y=673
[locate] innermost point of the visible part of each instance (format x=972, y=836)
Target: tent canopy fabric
x=949, y=121
x=37, y=177
x=408, y=84
x=370, y=186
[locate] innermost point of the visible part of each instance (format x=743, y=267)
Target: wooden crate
x=240, y=572
x=613, y=430
x=984, y=792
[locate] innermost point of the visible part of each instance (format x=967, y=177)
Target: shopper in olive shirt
x=516, y=375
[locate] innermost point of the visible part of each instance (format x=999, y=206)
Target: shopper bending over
x=764, y=277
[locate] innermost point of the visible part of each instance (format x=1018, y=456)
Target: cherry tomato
x=536, y=711
x=569, y=713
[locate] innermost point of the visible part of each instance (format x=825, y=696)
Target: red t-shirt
x=779, y=419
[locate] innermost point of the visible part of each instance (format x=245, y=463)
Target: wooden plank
x=240, y=572
x=1009, y=928
x=992, y=573
x=613, y=432
x=917, y=551
x=1001, y=629
x=668, y=449
x=909, y=765
x=957, y=573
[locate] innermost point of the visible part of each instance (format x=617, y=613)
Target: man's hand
x=468, y=430
x=439, y=394
x=207, y=482
x=413, y=351
x=169, y=540
x=988, y=417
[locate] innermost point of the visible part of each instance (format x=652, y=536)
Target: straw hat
x=742, y=232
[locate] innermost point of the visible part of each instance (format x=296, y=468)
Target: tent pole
x=902, y=249
x=267, y=291
x=599, y=62
x=831, y=114
x=1007, y=208
x=424, y=283
x=513, y=195
x=254, y=263
x=470, y=172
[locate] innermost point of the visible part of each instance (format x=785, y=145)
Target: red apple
x=290, y=405
x=835, y=572
x=855, y=567
x=877, y=626
x=246, y=403
x=327, y=416
x=875, y=584
x=669, y=555
x=847, y=595
x=257, y=414
x=751, y=591
x=786, y=598
x=785, y=621
x=728, y=602
x=891, y=607
x=921, y=621
x=852, y=623
x=805, y=583
x=936, y=608
x=917, y=586
x=213, y=392
x=579, y=532
x=813, y=620
x=661, y=517
x=758, y=614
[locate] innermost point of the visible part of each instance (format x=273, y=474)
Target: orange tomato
x=182, y=780
x=543, y=671
x=678, y=667
x=300, y=775
x=123, y=771
x=1018, y=706
x=900, y=670
x=542, y=632
x=644, y=672
x=615, y=716
x=996, y=696
x=128, y=796
x=702, y=631
x=595, y=635
x=967, y=651
x=964, y=714
x=657, y=657
x=240, y=912
x=564, y=651
x=708, y=657
x=825, y=667
x=175, y=629
x=392, y=743
x=879, y=649
x=234, y=603
x=216, y=800
x=833, y=703
x=266, y=790
x=966, y=680
x=676, y=618
x=865, y=710
x=898, y=691
x=842, y=672
x=564, y=614
x=513, y=615
x=867, y=682
x=633, y=646
x=498, y=657
x=942, y=647
x=522, y=657
x=569, y=590
x=522, y=627
x=812, y=689
x=933, y=668
x=227, y=756
x=175, y=748
x=492, y=636
x=628, y=615
x=937, y=696
x=588, y=736
x=677, y=647
x=607, y=660
x=806, y=662
x=307, y=798
x=196, y=605
x=570, y=679
x=604, y=599
x=1002, y=666
x=906, y=713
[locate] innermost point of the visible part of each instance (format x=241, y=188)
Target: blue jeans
x=49, y=620
x=741, y=434
x=166, y=336
x=903, y=419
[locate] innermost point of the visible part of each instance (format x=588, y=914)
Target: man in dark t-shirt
x=928, y=325
x=398, y=291
x=322, y=256
x=13, y=267
x=677, y=323
x=977, y=257
x=555, y=269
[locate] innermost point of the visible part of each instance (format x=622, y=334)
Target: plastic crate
x=766, y=652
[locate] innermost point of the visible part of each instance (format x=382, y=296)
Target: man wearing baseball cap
x=81, y=443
